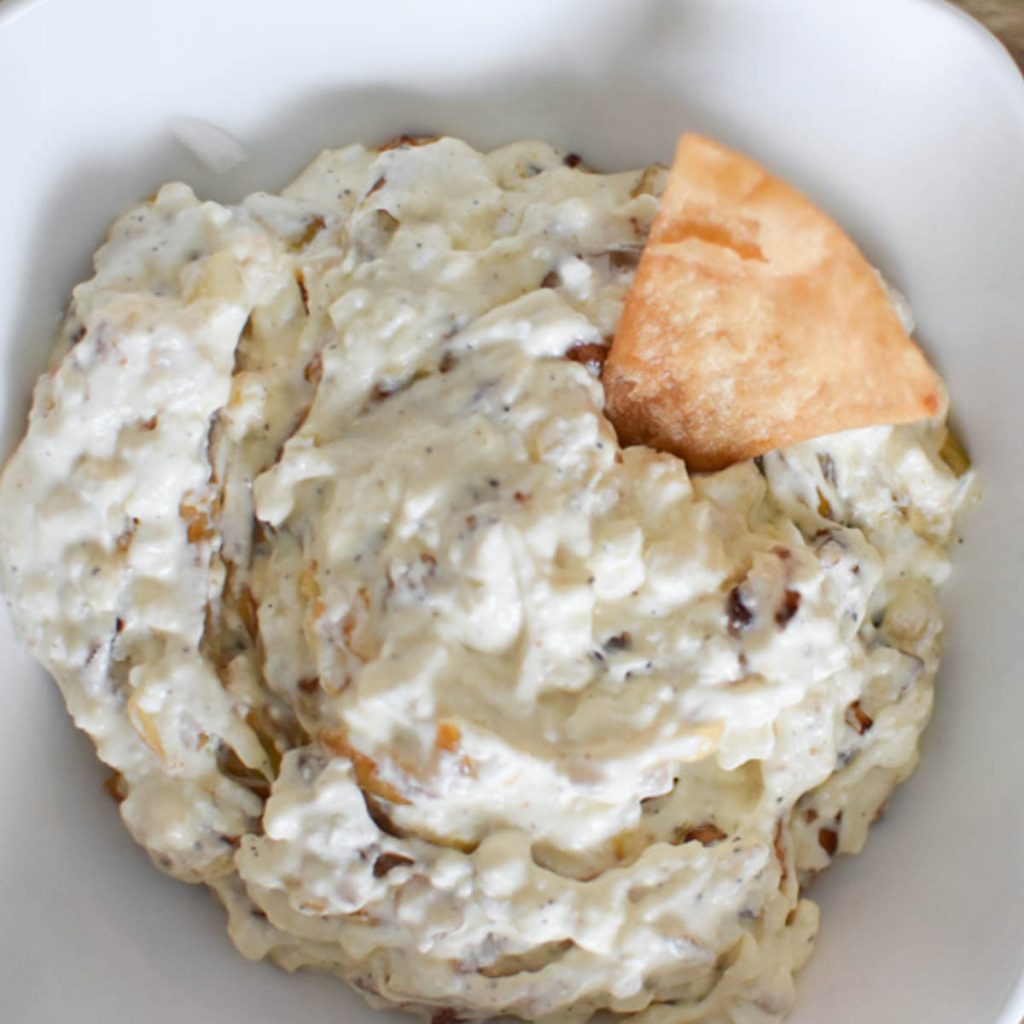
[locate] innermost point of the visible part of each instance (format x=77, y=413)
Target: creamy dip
x=321, y=530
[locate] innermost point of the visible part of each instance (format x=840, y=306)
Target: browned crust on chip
x=754, y=322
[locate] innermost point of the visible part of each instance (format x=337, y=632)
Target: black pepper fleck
x=620, y=642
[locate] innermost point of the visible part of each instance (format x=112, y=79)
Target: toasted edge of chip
x=754, y=322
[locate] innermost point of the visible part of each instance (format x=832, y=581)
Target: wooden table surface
x=1005, y=18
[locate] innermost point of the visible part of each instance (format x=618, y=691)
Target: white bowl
x=901, y=117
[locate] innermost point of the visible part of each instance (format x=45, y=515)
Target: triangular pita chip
x=754, y=322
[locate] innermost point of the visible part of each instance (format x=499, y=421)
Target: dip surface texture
x=320, y=528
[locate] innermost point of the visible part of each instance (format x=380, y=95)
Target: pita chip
x=754, y=322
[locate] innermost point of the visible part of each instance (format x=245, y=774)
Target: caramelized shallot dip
x=321, y=530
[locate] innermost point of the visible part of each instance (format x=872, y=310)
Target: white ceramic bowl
x=901, y=117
